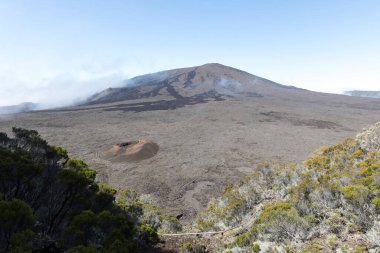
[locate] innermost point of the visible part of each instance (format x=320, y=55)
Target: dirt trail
x=210, y=241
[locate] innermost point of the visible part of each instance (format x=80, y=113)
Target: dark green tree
x=51, y=203
x=16, y=222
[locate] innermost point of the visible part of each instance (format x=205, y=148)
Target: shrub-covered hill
x=52, y=203
x=329, y=203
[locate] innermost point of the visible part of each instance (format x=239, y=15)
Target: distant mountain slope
x=190, y=84
x=363, y=93
x=23, y=107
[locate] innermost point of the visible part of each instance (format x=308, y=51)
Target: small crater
x=131, y=151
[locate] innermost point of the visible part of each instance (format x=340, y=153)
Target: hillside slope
x=329, y=203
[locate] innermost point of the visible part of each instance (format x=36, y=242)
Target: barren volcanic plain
x=208, y=125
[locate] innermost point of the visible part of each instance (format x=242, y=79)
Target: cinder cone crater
x=132, y=151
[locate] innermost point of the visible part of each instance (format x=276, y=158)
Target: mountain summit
x=192, y=84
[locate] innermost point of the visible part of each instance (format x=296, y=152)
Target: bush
x=356, y=194
x=16, y=222
x=242, y=240
x=376, y=202
x=255, y=247
x=148, y=234
x=336, y=223
x=332, y=242
x=281, y=221
x=359, y=249
x=186, y=248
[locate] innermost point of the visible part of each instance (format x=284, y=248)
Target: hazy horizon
x=58, y=52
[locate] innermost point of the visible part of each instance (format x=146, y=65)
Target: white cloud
x=58, y=90
x=52, y=87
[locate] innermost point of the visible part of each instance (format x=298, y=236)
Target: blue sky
x=57, y=51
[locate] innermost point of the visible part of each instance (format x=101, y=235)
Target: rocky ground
x=211, y=125
x=202, y=147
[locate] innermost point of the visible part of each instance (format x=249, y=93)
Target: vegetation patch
x=318, y=206
x=52, y=203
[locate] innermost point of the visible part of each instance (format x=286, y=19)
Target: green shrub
x=376, y=202
x=332, y=242
x=359, y=249
x=255, y=247
x=336, y=223
x=358, y=154
x=316, y=245
x=281, y=221
x=186, y=248
x=149, y=234
x=16, y=223
x=356, y=194
x=242, y=240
